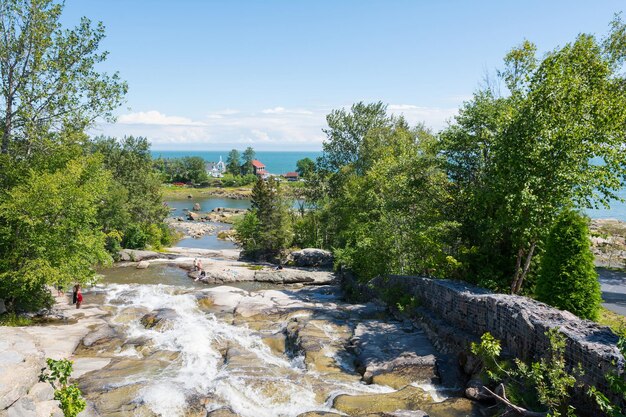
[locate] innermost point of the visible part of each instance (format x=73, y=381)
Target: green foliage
x=617, y=385
x=567, y=277
x=11, y=319
x=49, y=231
x=515, y=161
x=248, y=157
x=188, y=169
x=305, y=167
x=233, y=166
x=382, y=211
x=230, y=180
x=545, y=385
x=266, y=229
x=69, y=395
x=49, y=80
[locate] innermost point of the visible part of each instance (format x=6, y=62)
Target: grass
x=254, y=267
x=13, y=320
x=615, y=321
x=172, y=191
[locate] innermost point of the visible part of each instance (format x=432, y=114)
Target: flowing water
x=221, y=347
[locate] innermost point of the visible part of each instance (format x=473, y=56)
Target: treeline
x=192, y=170
x=478, y=201
x=67, y=202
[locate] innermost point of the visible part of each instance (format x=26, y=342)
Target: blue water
x=617, y=210
x=275, y=162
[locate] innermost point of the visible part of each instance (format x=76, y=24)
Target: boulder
x=222, y=412
x=133, y=255
x=160, y=319
x=409, y=398
x=196, y=207
x=393, y=354
x=143, y=265
x=311, y=257
x=193, y=216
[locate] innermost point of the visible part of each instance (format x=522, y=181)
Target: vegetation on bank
x=67, y=202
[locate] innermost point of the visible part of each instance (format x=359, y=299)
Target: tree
x=346, y=130
x=516, y=161
x=248, y=157
x=567, y=276
x=266, y=230
x=232, y=163
x=305, y=167
x=49, y=232
x=48, y=75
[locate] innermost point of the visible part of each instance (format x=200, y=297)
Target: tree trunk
x=520, y=280
x=518, y=265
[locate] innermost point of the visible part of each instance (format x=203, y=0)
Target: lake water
x=275, y=162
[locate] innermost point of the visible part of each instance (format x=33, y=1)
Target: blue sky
x=211, y=75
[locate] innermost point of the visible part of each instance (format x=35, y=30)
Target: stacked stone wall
x=519, y=322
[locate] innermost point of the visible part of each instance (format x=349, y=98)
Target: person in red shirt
x=79, y=296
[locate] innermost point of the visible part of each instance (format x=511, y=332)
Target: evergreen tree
x=232, y=163
x=266, y=230
x=567, y=277
x=248, y=157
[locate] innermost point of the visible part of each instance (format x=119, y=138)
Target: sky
x=213, y=75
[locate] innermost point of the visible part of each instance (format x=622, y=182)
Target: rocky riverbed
x=258, y=349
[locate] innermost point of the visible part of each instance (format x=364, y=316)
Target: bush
x=567, y=276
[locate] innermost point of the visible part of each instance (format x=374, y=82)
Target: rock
x=311, y=257
x=193, y=216
x=454, y=407
x=24, y=407
x=409, y=398
x=143, y=265
x=222, y=412
x=196, y=207
x=475, y=390
x=393, y=354
x=160, y=320
x=319, y=414
x=133, y=255
x=189, y=196
x=20, y=365
x=41, y=391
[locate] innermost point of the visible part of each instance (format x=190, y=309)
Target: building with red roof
x=258, y=167
x=292, y=176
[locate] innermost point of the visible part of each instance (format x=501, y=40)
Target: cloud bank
x=276, y=128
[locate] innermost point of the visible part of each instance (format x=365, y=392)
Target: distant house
x=258, y=168
x=215, y=169
x=292, y=176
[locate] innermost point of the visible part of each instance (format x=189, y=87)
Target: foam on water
x=267, y=386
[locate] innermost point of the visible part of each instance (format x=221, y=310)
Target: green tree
x=49, y=231
x=233, y=165
x=305, y=167
x=346, y=130
x=248, y=157
x=567, y=275
x=516, y=161
x=266, y=230
x=49, y=80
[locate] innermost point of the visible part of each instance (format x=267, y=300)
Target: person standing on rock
x=79, y=296
x=199, y=265
x=74, y=293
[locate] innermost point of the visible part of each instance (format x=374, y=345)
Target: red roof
x=291, y=174
x=257, y=164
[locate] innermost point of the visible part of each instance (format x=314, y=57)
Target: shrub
x=69, y=395
x=567, y=276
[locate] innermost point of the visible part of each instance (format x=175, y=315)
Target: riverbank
x=23, y=353
x=184, y=350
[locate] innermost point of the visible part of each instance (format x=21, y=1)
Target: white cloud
x=278, y=128
x=153, y=117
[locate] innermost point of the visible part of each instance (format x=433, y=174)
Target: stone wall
x=519, y=322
